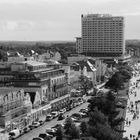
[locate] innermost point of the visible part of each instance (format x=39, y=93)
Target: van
x=14, y=134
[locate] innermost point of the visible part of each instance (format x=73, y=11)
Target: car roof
x=38, y=138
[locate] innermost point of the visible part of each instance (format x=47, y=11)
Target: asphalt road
x=35, y=132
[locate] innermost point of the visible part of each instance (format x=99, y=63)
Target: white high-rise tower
x=102, y=35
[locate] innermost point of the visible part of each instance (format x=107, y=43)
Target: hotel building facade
x=102, y=35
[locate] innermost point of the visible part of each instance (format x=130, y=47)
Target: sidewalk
x=135, y=123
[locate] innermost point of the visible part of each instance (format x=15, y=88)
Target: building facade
x=102, y=35
x=78, y=45
x=13, y=109
x=45, y=83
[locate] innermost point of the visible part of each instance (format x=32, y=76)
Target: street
x=35, y=132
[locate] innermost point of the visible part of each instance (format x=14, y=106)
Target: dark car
x=76, y=115
x=57, y=126
x=45, y=136
x=49, y=117
x=61, y=117
x=37, y=138
x=41, y=122
x=31, y=127
x=26, y=129
x=51, y=131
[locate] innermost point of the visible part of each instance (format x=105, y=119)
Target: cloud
x=15, y=25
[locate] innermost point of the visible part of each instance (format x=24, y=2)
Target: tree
x=68, y=125
x=107, y=106
x=59, y=133
x=83, y=127
x=70, y=129
x=99, y=127
x=85, y=83
x=75, y=133
x=96, y=117
x=115, y=82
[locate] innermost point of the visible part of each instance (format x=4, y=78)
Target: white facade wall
x=103, y=34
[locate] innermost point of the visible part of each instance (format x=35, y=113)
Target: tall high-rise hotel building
x=102, y=35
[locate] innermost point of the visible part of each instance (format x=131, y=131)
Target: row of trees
x=103, y=123
x=121, y=76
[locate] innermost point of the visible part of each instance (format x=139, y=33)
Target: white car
x=54, y=114
x=35, y=124
x=14, y=134
x=37, y=138
x=62, y=111
x=49, y=117
x=50, y=131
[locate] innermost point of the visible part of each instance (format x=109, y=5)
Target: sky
x=48, y=20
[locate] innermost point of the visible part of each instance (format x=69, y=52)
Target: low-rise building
x=50, y=55
x=46, y=83
x=13, y=108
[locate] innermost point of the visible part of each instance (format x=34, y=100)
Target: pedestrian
x=139, y=133
x=129, y=123
x=130, y=136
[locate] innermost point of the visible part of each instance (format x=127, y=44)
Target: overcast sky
x=61, y=19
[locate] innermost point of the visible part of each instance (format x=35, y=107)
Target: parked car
x=14, y=134
x=80, y=102
x=51, y=131
x=31, y=127
x=77, y=116
x=84, y=100
x=57, y=126
x=74, y=119
x=41, y=122
x=35, y=124
x=45, y=136
x=49, y=117
x=84, y=110
x=26, y=129
x=83, y=114
x=37, y=138
x=62, y=110
x=61, y=116
x=68, y=108
x=54, y=114
x=76, y=104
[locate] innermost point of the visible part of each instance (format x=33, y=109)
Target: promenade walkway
x=132, y=123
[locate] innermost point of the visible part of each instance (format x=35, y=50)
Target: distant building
x=50, y=55
x=78, y=45
x=86, y=68
x=103, y=35
x=99, y=64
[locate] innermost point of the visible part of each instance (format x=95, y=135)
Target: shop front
x=38, y=114
x=60, y=103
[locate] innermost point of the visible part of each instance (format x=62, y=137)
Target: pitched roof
x=89, y=64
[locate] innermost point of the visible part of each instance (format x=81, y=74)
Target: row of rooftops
x=34, y=64
x=30, y=53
